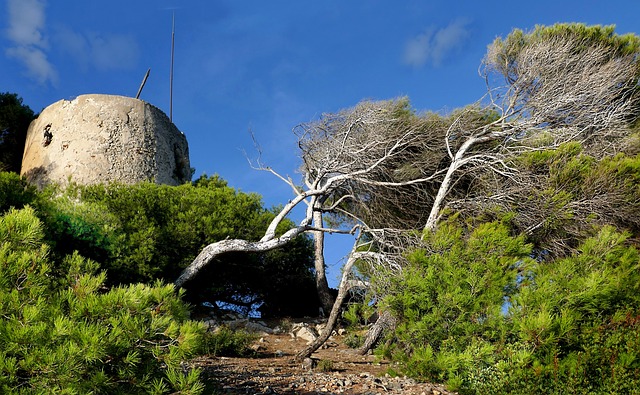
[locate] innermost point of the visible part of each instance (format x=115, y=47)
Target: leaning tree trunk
x=383, y=323
x=213, y=250
x=335, y=311
x=322, y=286
x=386, y=320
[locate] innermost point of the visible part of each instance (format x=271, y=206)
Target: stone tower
x=103, y=138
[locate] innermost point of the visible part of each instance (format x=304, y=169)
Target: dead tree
x=381, y=164
x=343, y=290
x=361, y=252
x=322, y=286
x=559, y=87
x=327, y=180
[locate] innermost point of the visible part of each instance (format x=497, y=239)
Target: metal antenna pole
x=173, y=35
x=144, y=81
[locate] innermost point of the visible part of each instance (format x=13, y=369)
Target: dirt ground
x=337, y=369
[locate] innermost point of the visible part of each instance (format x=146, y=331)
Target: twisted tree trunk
x=322, y=286
x=335, y=311
x=385, y=322
x=233, y=245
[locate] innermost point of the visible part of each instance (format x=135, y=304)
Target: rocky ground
x=334, y=369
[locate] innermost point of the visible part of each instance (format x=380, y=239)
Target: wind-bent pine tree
x=388, y=170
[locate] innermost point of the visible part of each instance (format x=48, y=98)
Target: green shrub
x=455, y=291
x=155, y=231
x=83, y=227
x=228, y=343
x=572, y=325
x=354, y=340
x=69, y=335
x=146, y=232
x=325, y=366
x=579, y=319
x=358, y=314
x=14, y=192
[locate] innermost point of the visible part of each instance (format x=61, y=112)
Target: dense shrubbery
x=145, y=232
x=228, y=342
x=14, y=192
x=14, y=123
x=69, y=327
x=155, y=231
x=68, y=334
x=477, y=313
x=159, y=229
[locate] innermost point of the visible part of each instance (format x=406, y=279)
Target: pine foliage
x=70, y=335
x=15, y=118
x=477, y=312
x=146, y=232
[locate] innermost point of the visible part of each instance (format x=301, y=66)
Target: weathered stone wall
x=104, y=138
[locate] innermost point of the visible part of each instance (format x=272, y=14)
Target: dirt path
x=337, y=370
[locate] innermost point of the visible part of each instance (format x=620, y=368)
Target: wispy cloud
x=102, y=51
x=114, y=51
x=36, y=62
x=26, y=22
x=434, y=45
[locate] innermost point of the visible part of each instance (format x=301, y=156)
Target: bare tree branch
x=393, y=172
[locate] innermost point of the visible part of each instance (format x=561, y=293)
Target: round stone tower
x=103, y=138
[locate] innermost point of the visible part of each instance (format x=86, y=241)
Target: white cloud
x=26, y=30
x=102, y=51
x=26, y=22
x=435, y=45
x=36, y=63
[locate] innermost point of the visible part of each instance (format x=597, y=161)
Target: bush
x=354, y=340
x=325, y=366
x=154, y=231
x=14, y=192
x=228, y=343
x=15, y=118
x=578, y=318
x=71, y=335
x=84, y=227
x=358, y=314
x=568, y=326
x=456, y=290
x=146, y=232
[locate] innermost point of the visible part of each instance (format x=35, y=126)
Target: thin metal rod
x=144, y=81
x=173, y=36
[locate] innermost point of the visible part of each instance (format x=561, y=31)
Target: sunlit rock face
x=104, y=138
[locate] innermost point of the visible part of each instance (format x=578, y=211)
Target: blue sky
x=267, y=66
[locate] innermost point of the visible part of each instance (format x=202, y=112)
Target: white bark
x=322, y=286
x=343, y=290
x=356, y=156
x=458, y=161
x=213, y=250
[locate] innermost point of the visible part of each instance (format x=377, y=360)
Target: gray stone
x=258, y=327
x=305, y=333
x=308, y=364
